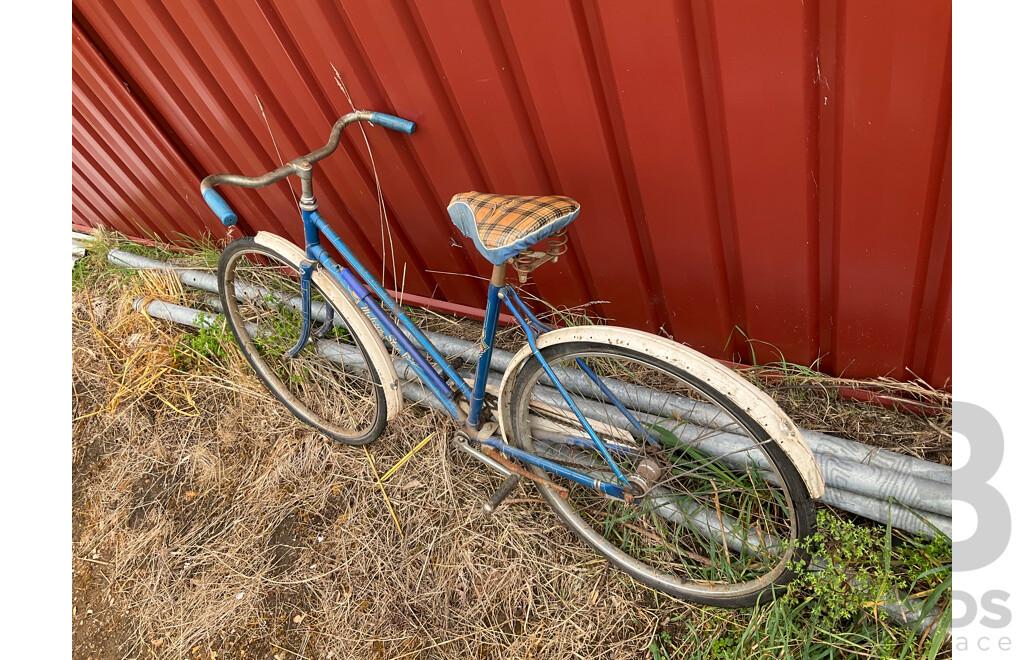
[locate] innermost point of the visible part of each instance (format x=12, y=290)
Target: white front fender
x=747, y=396
x=357, y=322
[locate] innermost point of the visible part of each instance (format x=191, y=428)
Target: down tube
x=315, y=218
x=387, y=328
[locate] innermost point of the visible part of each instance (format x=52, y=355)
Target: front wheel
x=331, y=382
x=718, y=505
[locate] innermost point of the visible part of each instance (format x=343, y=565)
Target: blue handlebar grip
x=220, y=207
x=394, y=123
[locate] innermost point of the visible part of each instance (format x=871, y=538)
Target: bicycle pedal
x=501, y=494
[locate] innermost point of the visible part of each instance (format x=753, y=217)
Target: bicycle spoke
x=267, y=303
x=711, y=508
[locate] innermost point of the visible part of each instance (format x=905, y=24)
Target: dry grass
x=211, y=524
x=813, y=401
x=223, y=525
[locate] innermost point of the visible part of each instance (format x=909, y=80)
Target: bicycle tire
x=668, y=538
x=259, y=291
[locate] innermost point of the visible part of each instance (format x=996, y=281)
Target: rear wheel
x=718, y=504
x=331, y=383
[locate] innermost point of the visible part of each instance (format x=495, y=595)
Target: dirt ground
x=208, y=523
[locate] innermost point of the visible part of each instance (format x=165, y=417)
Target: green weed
x=94, y=270
x=205, y=252
x=850, y=571
x=208, y=344
x=833, y=608
x=87, y=269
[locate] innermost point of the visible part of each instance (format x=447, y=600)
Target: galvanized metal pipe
x=868, y=480
x=882, y=511
x=821, y=444
x=874, y=505
x=904, y=610
x=709, y=416
x=736, y=451
x=208, y=282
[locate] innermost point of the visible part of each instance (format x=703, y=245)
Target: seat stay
x=543, y=327
x=531, y=339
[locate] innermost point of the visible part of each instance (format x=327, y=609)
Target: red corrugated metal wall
x=774, y=170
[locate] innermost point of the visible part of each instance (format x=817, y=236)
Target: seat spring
x=528, y=261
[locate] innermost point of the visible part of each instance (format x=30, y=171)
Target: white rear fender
x=762, y=409
x=357, y=322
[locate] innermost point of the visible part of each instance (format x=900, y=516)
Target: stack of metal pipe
x=860, y=479
x=912, y=494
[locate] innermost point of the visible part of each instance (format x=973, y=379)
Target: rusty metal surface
x=773, y=171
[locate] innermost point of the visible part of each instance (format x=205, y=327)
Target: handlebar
x=220, y=207
x=394, y=123
x=223, y=211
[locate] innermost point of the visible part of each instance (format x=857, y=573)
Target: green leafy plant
x=845, y=572
x=208, y=344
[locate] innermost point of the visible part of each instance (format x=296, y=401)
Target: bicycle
x=677, y=470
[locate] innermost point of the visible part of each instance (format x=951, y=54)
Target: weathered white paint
x=761, y=408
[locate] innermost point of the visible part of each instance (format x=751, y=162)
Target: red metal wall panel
x=771, y=171
x=894, y=103
x=125, y=172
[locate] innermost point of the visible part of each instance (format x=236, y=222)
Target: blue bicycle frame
x=411, y=345
x=404, y=336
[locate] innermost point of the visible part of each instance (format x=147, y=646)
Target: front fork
x=306, y=269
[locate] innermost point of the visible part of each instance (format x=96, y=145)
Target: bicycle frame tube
x=530, y=337
x=406, y=345
x=389, y=330
x=484, y=365
x=312, y=221
x=541, y=327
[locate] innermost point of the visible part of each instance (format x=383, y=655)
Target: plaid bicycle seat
x=502, y=226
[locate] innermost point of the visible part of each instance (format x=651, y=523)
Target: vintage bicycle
x=676, y=469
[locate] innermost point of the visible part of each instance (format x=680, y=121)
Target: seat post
x=498, y=275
